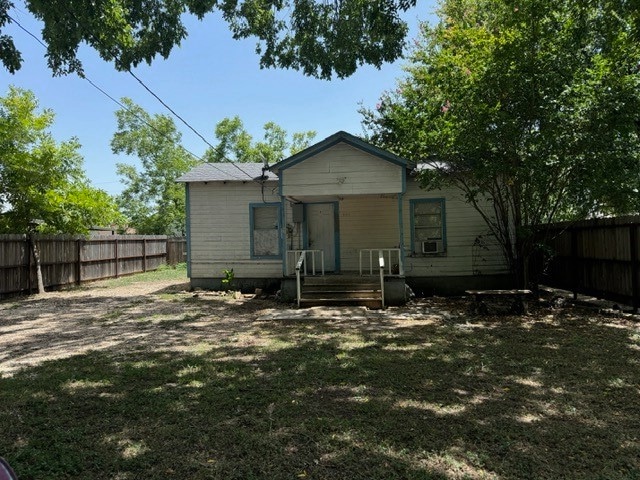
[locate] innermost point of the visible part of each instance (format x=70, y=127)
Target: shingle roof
x=225, y=172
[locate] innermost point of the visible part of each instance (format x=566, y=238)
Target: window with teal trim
x=265, y=230
x=428, y=227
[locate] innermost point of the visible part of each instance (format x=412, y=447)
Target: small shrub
x=228, y=279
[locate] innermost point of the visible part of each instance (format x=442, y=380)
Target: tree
x=317, y=37
x=235, y=143
x=41, y=178
x=152, y=200
x=531, y=109
x=42, y=183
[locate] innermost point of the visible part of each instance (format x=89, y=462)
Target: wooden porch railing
x=309, y=261
x=301, y=269
x=381, y=269
x=390, y=254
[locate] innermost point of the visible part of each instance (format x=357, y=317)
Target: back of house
x=338, y=208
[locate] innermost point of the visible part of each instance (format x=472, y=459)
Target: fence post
x=28, y=247
x=116, y=248
x=635, y=267
x=144, y=254
x=79, y=262
x=574, y=262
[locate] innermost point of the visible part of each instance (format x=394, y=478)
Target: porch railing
x=310, y=261
x=392, y=261
x=381, y=269
x=301, y=267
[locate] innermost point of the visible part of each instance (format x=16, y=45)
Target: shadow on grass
x=554, y=398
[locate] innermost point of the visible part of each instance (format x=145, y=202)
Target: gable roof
x=340, y=137
x=225, y=172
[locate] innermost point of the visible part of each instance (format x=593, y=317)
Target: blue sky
x=209, y=77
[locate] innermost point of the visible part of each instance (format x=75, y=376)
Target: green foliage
x=235, y=143
x=227, y=281
x=533, y=107
x=42, y=179
x=152, y=201
x=319, y=38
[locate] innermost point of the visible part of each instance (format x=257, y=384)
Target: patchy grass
x=553, y=395
x=162, y=273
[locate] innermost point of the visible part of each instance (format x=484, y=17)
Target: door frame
x=336, y=231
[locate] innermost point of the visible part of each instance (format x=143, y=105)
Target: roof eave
x=340, y=137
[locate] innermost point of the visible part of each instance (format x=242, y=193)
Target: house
x=340, y=209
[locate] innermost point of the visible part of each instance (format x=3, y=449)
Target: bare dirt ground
x=141, y=315
x=61, y=324
x=163, y=314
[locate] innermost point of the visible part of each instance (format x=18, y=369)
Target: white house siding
x=463, y=226
x=219, y=229
x=367, y=221
x=342, y=170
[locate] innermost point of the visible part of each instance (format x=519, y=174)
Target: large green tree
x=237, y=144
x=321, y=38
x=152, y=200
x=42, y=182
x=532, y=108
x=42, y=179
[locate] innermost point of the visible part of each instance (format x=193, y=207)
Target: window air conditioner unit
x=432, y=246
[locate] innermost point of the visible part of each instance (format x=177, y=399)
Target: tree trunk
x=36, y=257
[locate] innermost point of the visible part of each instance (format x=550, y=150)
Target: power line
x=120, y=104
x=115, y=56
x=26, y=31
x=183, y=120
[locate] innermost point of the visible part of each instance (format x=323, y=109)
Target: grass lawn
x=201, y=387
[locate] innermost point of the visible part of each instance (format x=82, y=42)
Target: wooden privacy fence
x=73, y=259
x=597, y=257
x=176, y=250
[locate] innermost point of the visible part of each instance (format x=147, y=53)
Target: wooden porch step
x=341, y=302
x=341, y=280
x=341, y=290
x=338, y=294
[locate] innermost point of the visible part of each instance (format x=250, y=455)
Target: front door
x=321, y=232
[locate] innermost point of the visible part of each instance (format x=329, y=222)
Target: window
x=428, y=233
x=265, y=230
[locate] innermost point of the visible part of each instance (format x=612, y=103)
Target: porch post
x=283, y=236
x=401, y=225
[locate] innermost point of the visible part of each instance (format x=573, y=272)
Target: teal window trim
x=443, y=216
x=252, y=207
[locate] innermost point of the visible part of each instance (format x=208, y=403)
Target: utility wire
x=184, y=121
x=114, y=54
x=120, y=104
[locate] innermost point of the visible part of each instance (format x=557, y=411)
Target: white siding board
x=342, y=170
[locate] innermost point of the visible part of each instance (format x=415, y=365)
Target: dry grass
x=163, y=384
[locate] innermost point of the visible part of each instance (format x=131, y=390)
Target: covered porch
x=342, y=208
x=354, y=241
